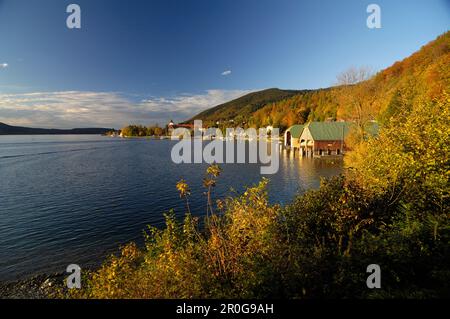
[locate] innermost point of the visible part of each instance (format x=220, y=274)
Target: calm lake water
x=75, y=199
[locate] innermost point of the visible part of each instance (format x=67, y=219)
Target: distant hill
x=18, y=130
x=243, y=107
x=425, y=75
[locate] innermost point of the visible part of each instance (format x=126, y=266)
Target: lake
x=75, y=199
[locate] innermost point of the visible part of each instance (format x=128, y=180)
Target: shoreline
x=36, y=287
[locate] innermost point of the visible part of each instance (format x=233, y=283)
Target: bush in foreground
x=318, y=246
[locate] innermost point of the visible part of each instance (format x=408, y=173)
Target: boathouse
x=292, y=137
x=324, y=138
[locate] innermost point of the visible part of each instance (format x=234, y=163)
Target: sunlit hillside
x=423, y=75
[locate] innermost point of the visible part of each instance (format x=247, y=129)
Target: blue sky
x=151, y=61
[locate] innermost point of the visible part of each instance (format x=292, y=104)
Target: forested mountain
x=423, y=75
x=240, y=109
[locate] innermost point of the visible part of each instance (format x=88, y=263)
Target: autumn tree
x=409, y=159
x=356, y=99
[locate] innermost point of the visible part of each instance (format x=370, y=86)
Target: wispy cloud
x=106, y=109
x=227, y=72
x=3, y=65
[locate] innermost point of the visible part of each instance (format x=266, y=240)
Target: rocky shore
x=38, y=287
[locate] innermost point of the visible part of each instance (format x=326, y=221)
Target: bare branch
x=354, y=75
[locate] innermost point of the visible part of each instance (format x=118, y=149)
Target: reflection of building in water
x=321, y=138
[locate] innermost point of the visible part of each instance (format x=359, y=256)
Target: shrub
x=233, y=256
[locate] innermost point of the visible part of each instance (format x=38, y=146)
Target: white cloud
x=191, y=104
x=227, y=72
x=3, y=65
x=104, y=109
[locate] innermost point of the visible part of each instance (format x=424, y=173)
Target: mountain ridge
x=6, y=129
x=246, y=104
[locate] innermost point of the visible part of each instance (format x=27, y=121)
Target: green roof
x=296, y=130
x=336, y=131
x=329, y=131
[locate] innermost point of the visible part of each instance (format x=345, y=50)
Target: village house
x=172, y=126
x=269, y=129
